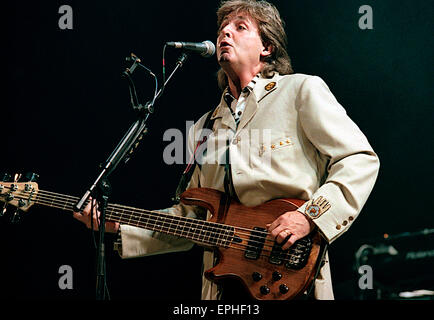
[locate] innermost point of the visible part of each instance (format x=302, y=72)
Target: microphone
x=206, y=48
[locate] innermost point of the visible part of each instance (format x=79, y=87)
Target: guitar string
x=118, y=206
x=214, y=238
x=74, y=199
x=172, y=217
x=285, y=252
x=194, y=222
x=54, y=198
x=284, y=256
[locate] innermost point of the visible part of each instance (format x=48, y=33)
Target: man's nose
x=226, y=31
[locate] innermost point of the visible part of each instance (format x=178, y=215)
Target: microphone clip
x=144, y=109
x=136, y=61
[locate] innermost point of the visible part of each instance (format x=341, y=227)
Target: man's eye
x=241, y=27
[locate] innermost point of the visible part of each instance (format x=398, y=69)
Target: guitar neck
x=208, y=233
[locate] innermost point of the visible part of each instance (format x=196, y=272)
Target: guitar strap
x=188, y=172
x=320, y=263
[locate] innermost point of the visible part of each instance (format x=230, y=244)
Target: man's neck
x=239, y=80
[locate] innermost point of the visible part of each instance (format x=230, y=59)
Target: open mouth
x=224, y=45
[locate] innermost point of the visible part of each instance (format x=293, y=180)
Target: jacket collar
x=262, y=88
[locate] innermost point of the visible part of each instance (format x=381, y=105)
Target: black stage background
x=65, y=107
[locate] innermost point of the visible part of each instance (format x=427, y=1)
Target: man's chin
x=224, y=57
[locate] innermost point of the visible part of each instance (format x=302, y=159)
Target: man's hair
x=271, y=30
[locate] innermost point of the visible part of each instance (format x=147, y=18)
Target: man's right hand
x=86, y=218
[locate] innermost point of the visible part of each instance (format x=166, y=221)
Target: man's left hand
x=291, y=225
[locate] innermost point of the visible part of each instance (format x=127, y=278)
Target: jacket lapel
x=223, y=111
x=262, y=88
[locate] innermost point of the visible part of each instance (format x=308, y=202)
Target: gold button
x=273, y=146
x=281, y=143
x=351, y=218
x=345, y=222
x=287, y=140
x=338, y=227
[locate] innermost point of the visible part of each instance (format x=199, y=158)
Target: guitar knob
x=283, y=288
x=256, y=276
x=276, y=276
x=264, y=290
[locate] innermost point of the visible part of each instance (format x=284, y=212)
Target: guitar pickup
x=255, y=243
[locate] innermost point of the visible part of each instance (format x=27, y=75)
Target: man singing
x=314, y=151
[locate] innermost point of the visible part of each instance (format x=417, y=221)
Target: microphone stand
x=101, y=188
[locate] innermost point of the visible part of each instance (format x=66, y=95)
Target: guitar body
x=266, y=272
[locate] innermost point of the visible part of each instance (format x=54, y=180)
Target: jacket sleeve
x=138, y=242
x=352, y=165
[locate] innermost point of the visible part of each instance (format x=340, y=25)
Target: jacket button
x=338, y=227
x=345, y=222
x=351, y=218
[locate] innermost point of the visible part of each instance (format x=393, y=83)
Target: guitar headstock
x=14, y=192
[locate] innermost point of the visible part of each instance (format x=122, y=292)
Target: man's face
x=239, y=42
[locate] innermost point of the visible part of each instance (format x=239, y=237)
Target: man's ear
x=266, y=51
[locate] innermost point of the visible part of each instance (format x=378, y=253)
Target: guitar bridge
x=256, y=243
x=295, y=257
x=298, y=253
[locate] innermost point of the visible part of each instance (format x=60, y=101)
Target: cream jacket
x=294, y=140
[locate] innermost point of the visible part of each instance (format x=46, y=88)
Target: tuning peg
x=31, y=177
x=17, y=177
x=6, y=177
x=16, y=217
x=3, y=210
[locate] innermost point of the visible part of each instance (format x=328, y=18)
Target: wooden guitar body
x=266, y=272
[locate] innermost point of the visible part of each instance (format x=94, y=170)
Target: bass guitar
x=245, y=248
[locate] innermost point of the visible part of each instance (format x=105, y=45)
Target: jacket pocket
x=275, y=145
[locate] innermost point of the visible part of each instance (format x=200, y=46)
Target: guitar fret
x=203, y=231
x=140, y=218
x=121, y=213
x=212, y=231
x=186, y=224
x=219, y=239
x=176, y=227
x=198, y=230
x=51, y=204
